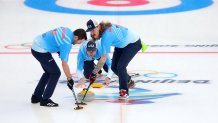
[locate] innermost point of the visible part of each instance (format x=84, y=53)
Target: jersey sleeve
x=80, y=65
x=106, y=42
x=64, y=52
x=64, y=43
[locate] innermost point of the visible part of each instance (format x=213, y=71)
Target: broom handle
x=86, y=92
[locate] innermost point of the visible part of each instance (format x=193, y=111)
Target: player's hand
x=92, y=78
x=81, y=83
x=70, y=83
x=107, y=81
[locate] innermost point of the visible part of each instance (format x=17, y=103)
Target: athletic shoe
x=131, y=84
x=123, y=94
x=35, y=99
x=48, y=103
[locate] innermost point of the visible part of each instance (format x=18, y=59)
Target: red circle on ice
x=113, y=3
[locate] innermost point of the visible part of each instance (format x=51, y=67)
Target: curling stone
x=97, y=85
x=90, y=96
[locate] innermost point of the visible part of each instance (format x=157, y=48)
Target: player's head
x=79, y=36
x=96, y=29
x=93, y=28
x=91, y=48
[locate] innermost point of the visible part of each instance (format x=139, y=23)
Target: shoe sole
x=49, y=106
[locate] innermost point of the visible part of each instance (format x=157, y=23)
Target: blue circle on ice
x=51, y=6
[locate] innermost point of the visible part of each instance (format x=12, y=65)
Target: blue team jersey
x=83, y=56
x=117, y=36
x=56, y=40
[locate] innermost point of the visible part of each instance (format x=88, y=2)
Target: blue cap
x=91, y=46
x=91, y=24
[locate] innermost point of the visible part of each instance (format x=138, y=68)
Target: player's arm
x=105, y=43
x=64, y=55
x=80, y=65
x=100, y=64
x=79, y=71
x=97, y=68
x=66, y=69
x=108, y=63
x=109, y=73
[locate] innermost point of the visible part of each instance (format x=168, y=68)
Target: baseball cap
x=91, y=24
x=91, y=46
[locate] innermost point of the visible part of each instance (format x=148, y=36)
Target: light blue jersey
x=83, y=56
x=57, y=40
x=117, y=36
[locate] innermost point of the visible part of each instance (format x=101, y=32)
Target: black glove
x=70, y=83
x=92, y=78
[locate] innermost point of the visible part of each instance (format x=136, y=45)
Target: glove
x=70, y=83
x=92, y=78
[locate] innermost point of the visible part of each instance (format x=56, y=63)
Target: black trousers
x=121, y=59
x=49, y=78
x=89, y=67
